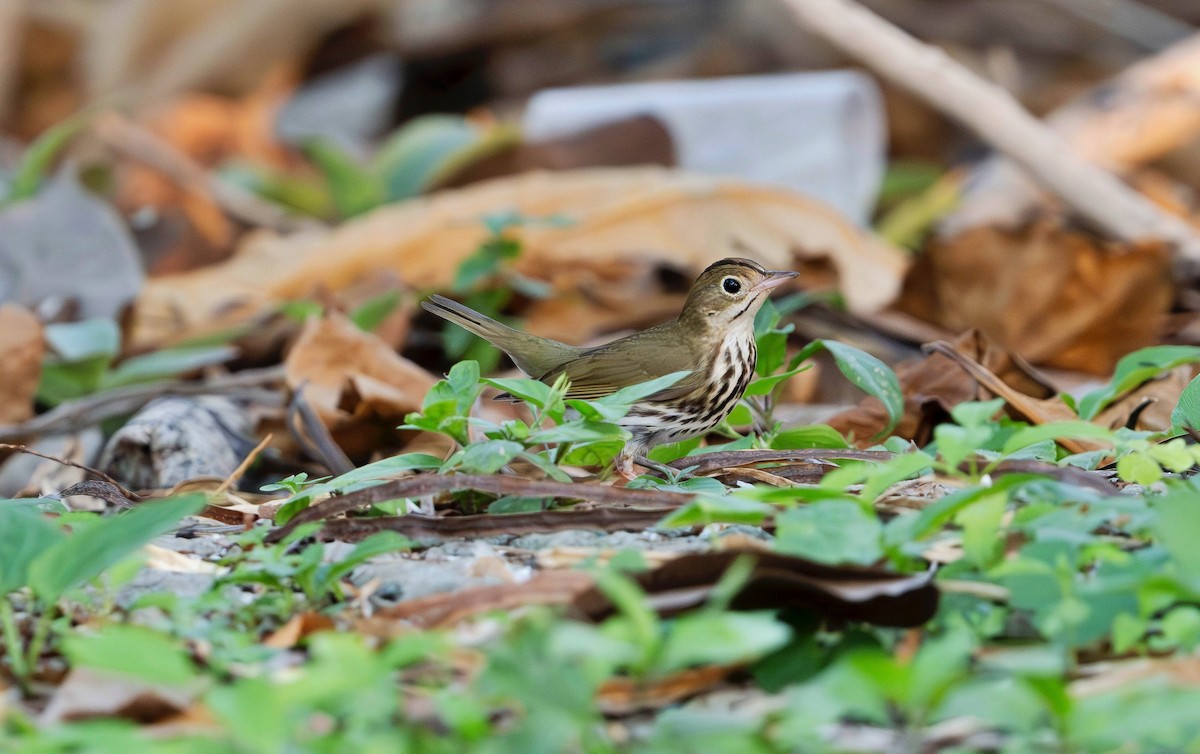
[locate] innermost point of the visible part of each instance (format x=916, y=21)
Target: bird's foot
x=669, y=473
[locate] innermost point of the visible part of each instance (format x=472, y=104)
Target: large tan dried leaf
x=1053, y=296
x=624, y=223
x=21, y=350
x=332, y=355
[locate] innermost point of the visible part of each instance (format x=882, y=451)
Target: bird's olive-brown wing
x=629, y=361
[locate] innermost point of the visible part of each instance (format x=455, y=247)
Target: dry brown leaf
x=21, y=351
x=297, y=628
x=88, y=693
x=1053, y=296
x=625, y=224
x=332, y=355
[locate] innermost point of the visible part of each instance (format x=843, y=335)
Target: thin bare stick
x=991, y=112
x=245, y=464
x=65, y=462
x=86, y=411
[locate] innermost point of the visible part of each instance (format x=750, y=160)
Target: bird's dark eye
x=731, y=285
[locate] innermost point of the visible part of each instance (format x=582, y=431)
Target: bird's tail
x=533, y=355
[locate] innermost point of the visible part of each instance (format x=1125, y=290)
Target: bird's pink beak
x=774, y=278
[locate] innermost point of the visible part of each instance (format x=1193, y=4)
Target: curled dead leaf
x=345, y=371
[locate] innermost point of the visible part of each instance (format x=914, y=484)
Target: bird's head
x=730, y=292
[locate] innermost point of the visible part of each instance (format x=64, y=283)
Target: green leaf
x=1139, y=468
x=91, y=338
x=711, y=637
x=1134, y=369
x=24, y=535
x=486, y=457
x=815, y=436
x=39, y=157
x=830, y=531
x=868, y=374
x=981, y=527
x=168, y=362
x=62, y=382
x=485, y=262
x=354, y=189
x=1173, y=455
x=372, y=312
x=531, y=391
x=709, y=509
x=84, y=555
x=418, y=153
x=134, y=651
x=379, y=543
x=1186, y=413
x=1074, y=430
x=579, y=432
x=764, y=385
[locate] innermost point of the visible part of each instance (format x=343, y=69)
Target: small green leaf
x=39, y=157
x=354, y=189
x=711, y=637
x=418, y=152
x=1139, y=468
x=531, y=391
x=90, y=338
x=484, y=457
x=1074, y=430
x=379, y=543
x=1174, y=455
x=1134, y=369
x=830, y=531
x=24, y=535
x=1186, y=413
x=134, y=651
x=165, y=363
x=372, y=312
x=870, y=375
x=709, y=509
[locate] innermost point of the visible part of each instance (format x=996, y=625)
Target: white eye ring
x=731, y=285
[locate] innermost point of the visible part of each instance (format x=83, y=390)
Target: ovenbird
x=712, y=340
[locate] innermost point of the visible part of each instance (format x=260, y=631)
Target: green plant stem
x=561, y=452
x=40, y=630
x=12, y=644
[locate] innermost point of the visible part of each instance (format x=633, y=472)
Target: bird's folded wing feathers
x=604, y=372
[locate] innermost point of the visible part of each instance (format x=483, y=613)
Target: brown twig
x=245, y=464
x=84, y=412
x=1145, y=112
x=65, y=462
x=485, y=525
x=429, y=484
x=993, y=114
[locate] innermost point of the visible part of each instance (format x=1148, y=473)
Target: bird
x=712, y=341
